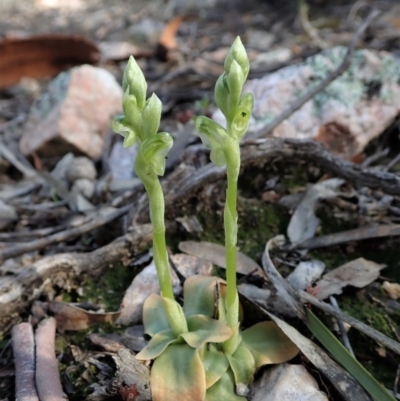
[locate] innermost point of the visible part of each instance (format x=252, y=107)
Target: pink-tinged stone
x=74, y=114
x=351, y=111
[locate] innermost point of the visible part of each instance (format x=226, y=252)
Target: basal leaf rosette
x=189, y=361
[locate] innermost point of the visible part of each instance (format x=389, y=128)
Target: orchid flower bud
x=237, y=53
x=134, y=82
x=213, y=137
x=121, y=125
x=154, y=151
x=241, y=121
x=151, y=116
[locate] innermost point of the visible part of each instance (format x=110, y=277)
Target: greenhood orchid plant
x=198, y=349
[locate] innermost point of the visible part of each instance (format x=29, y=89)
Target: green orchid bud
x=238, y=53
x=235, y=81
x=151, y=116
x=213, y=137
x=154, y=151
x=120, y=125
x=241, y=121
x=134, y=82
x=132, y=113
x=221, y=95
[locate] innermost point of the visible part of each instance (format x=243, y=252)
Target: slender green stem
x=156, y=200
x=231, y=228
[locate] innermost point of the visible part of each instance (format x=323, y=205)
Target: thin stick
x=47, y=377
x=308, y=28
x=24, y=360
x=28, y=172
x=342, y=329
x=358, y=234
x=41, y=243
x=363, y=328
x=324, y=83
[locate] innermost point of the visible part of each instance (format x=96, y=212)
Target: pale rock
x=81, y=167
x=352, y=110
x=146, y=283
x=286, y=382
x=84, y=187
x=393, y=289
x=74, y=114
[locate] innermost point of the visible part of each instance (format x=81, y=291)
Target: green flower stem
x=232, y=152
x=156, y=200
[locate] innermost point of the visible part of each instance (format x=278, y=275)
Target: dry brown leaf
x=216, y=255
x=69, y=317
x=358, y=273
x=43, y=56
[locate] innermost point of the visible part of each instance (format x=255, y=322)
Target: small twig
x=324, y=83
x=48, y=382
x=284, y=289
x=24, y=360
x=308, y=28
x=28, y=172
x=392, y=163
x=174, y=267
x=375, y=157
x=19, y=119
x=396, y=380
x=363, y=328
x=41, y=243
x=41, y=232
x=342, y=329
x=358, y=234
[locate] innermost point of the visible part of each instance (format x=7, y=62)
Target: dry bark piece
x=70, y=317
x=43, y=56
x=134, y=375
x=48, y=382
x=358, y=273
x=74, y=114
x=24, y=359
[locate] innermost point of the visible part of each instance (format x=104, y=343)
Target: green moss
x=105, y=291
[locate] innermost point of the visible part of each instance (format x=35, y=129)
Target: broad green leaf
x=242, y=364
x=224, y=389
x=268, y=344
x=215, y=364
x=175, y=315
x=157, y=345
x=121, y=126
x=178, y=375
x=135, y=82
x=340, y=353
x=199, y=294
x=230, y=345
x=154, y=317
x=203, y=329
